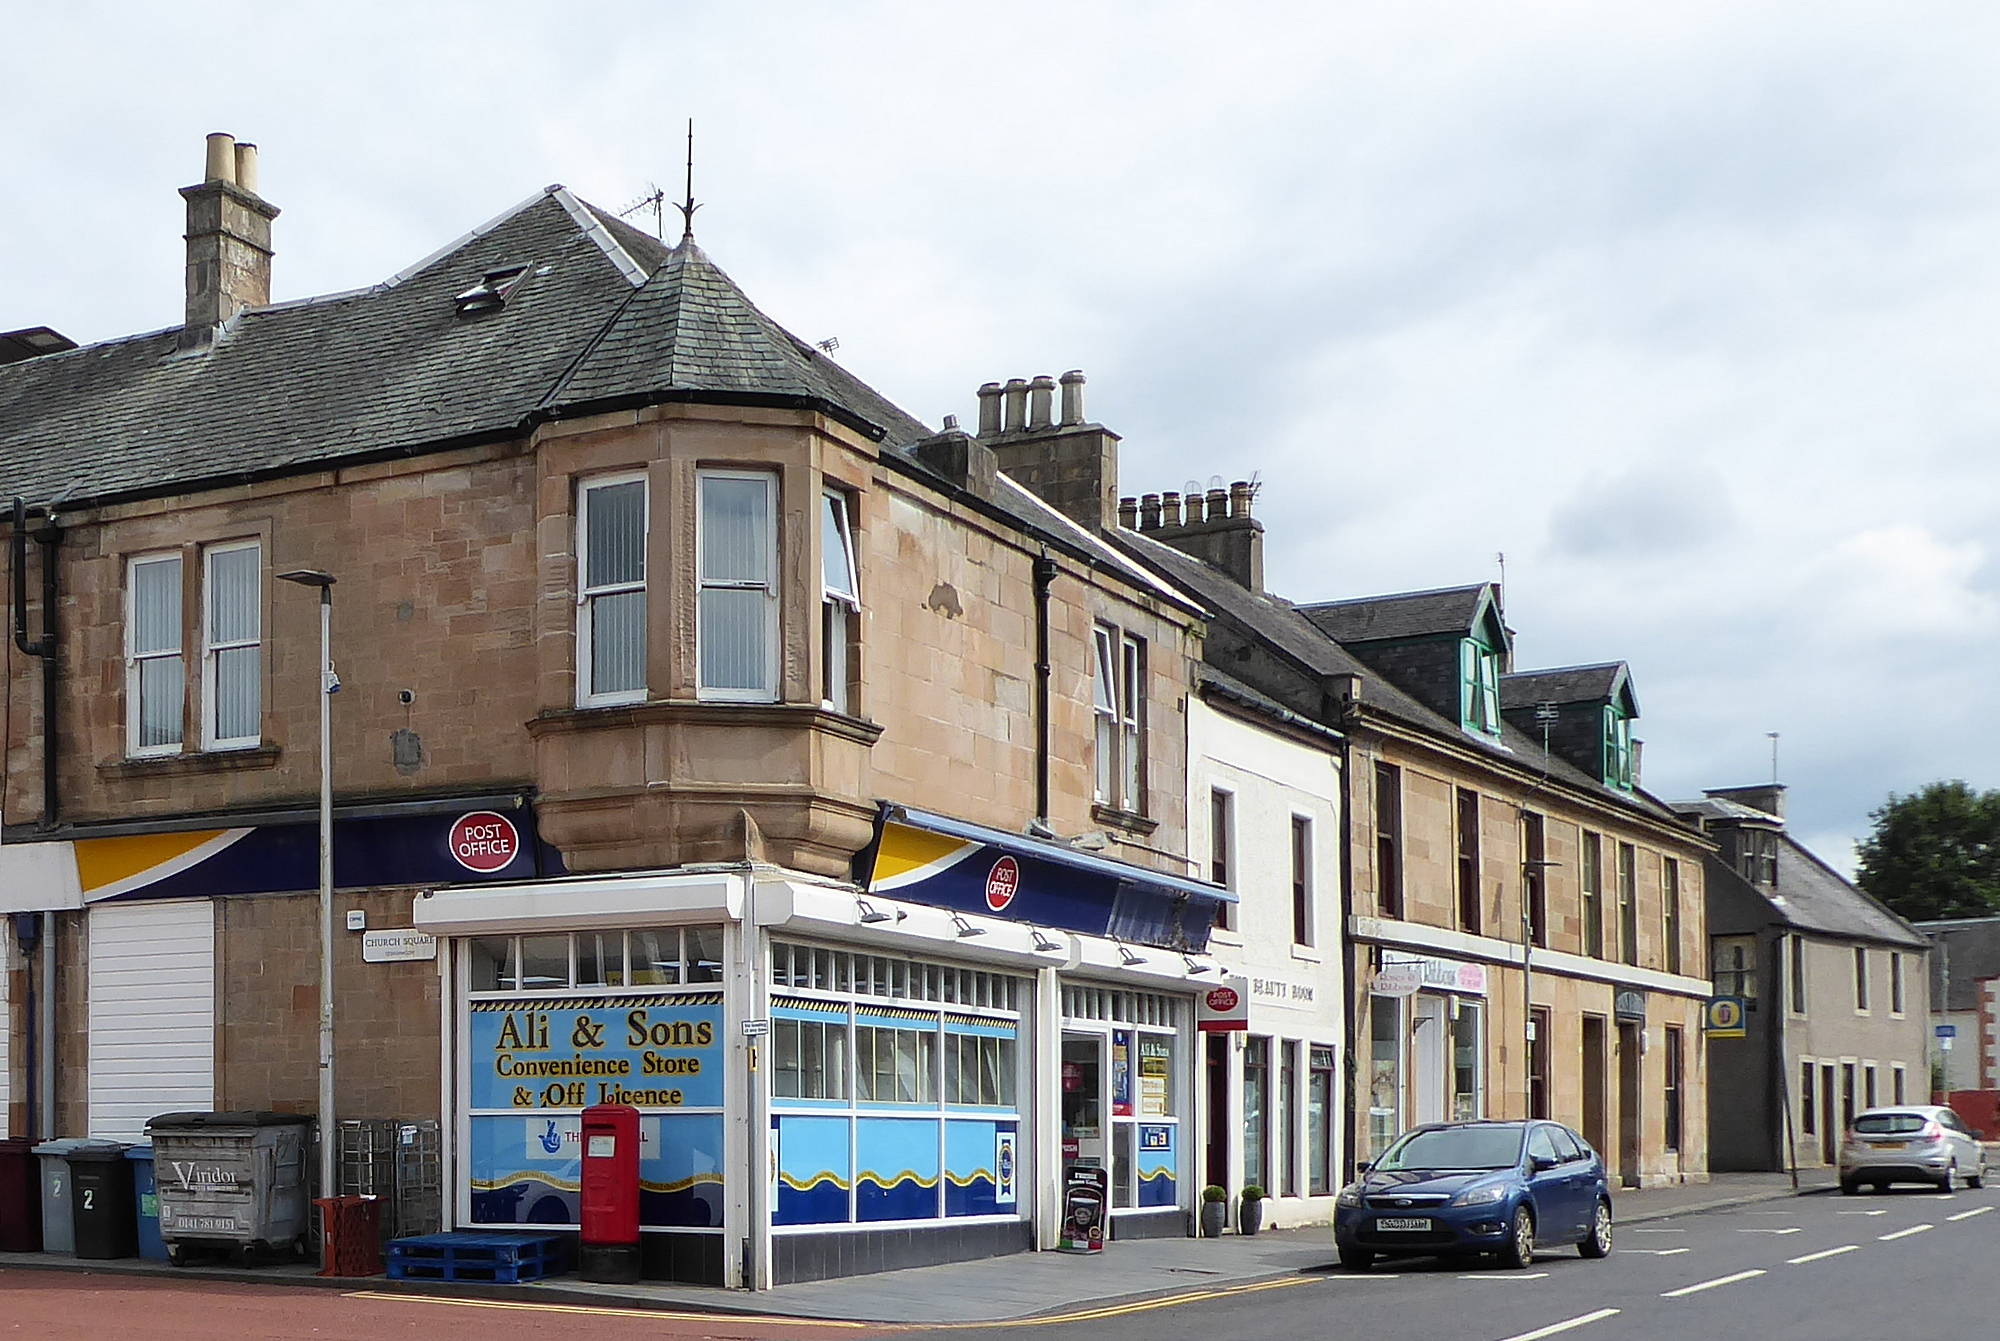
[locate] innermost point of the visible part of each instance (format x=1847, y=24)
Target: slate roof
x=1972, y=953
x=1566, y=684
x=1280, y=624
x=603, y=313
x=1410, y=614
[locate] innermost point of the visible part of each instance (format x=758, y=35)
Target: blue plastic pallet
x=503, y=1258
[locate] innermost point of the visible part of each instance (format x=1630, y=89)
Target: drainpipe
x=1349, y=1066
x=47, y=1002
x=45, y=646
x=1045, y=576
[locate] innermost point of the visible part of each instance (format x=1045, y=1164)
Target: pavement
x=1002, y=1289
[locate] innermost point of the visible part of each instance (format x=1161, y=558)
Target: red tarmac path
x=105, y=1307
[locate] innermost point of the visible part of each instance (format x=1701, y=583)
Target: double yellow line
x=768, y=1320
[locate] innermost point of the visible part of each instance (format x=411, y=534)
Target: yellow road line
x=1120, y=1310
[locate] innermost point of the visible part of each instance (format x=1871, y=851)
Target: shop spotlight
x=1042, y=943
x=1129, y=956
x=1194, y=965
x=870, y=914
x=966, y=928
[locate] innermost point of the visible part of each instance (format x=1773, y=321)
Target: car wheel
x=1948, y=1180
x=1597, y=1243
x=1356, y=1259
x=1848, y=1187
x=1520, y=1249
x=1978, y=1177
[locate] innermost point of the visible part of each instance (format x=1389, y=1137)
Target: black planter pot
x=1214, y=1218
x=1250, y=1216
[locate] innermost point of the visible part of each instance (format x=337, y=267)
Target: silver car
x=1910, y=1143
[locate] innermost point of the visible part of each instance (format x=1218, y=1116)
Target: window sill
x=682, y=711
x=192, y=763
x=1131, y=821
x=1306, y=953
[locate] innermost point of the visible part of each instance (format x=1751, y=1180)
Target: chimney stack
x=1217, y=528
x=1067, y=463
x=228, y=240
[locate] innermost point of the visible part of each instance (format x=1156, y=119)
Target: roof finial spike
x=688, y=207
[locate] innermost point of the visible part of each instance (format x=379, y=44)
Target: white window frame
x=211, y=739
x=588, y=595
x=768, y=691
x=1231, y=854
x=1118, y=706
x=134, y=714
x=839, y=610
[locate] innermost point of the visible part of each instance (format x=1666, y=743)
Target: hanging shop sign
x=1725, y=1017
x=1224, y=1008
x=1084, y=1191
x=439, y=849
x=1396, y=980
x=950, y=863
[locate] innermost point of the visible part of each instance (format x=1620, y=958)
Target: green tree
x=1935, y=853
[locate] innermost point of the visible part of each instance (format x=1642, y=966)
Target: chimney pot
x=1072, y=396
x=221, y=165
x=246, y=167
x=1170, y=508
x=1218, y=504
x=1239, y=499
x=1017, y=405
x=1041, y=397
x=989, y=409
x=1128, y=513
x=951, y=423
x=1149, y=512
x=1196, y=501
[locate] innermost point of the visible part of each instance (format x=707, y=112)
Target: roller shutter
x=152, y=1013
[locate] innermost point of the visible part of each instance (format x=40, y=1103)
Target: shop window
x=600, y=959
x=611, y=590
x=1538, y=1063
x=1319, y=1122
x=155, y=676
x=893, y=1065
x=489, y=963
x=978, y=1070
x=840, y=602
x=656, y=958
x=736, y=625
x=1287, y=1117
x=1389, y=840
x=232, y=656
x=1302, y=880
x=544, y=963
x=1385, y=1072
x=1257, y=1112
x=702, y=954
x=809, y=1059
x=1592, y=878
x=1468, y=1072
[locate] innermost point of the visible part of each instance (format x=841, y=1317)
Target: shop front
x=832, y=1078
x=1427, y=1023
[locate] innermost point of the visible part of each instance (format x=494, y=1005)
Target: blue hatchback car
x=1476, y=1187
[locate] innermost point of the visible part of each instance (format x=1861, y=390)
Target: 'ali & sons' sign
x=647, y=1051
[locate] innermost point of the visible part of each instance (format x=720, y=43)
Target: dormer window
x=1478, y=687
x=1617, y=749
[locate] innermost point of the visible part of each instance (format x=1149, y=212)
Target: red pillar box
x=610, y=1216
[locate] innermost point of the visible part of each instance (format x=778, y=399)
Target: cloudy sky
x=1688, y=309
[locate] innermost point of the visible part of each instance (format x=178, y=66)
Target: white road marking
x=1793, y=1230
x=1830, y=1252
x=1648, y=1229
x=1658, y=1252
x=1967, y=1215
x=1861, y=1212
x=1905, y=1233
x=1555, y=1327
x=1710, y=1284
x=1511, y=1275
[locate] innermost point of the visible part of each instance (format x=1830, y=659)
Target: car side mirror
x=1363, y=1167
x=1542, y=1163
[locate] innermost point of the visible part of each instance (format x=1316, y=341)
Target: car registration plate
x=1888, y=1145
x=1404, y=1223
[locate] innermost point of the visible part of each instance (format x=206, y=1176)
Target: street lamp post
x=329, y=683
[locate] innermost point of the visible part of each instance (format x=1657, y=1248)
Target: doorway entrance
x=1085, y=1071
x=1594, y=1083
x=1829, y=1123
x=1216, y=1158
x=1629, y=1058
x=1427, y=1059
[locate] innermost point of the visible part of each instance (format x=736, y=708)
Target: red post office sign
x=485, y=842
x=1002, y=883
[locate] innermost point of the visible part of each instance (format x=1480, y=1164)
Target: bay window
x=736, y=634
x=611, y=591
x=840, y=602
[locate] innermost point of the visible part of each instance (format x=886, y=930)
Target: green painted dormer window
x=1478, y=687
x=1617, y=749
